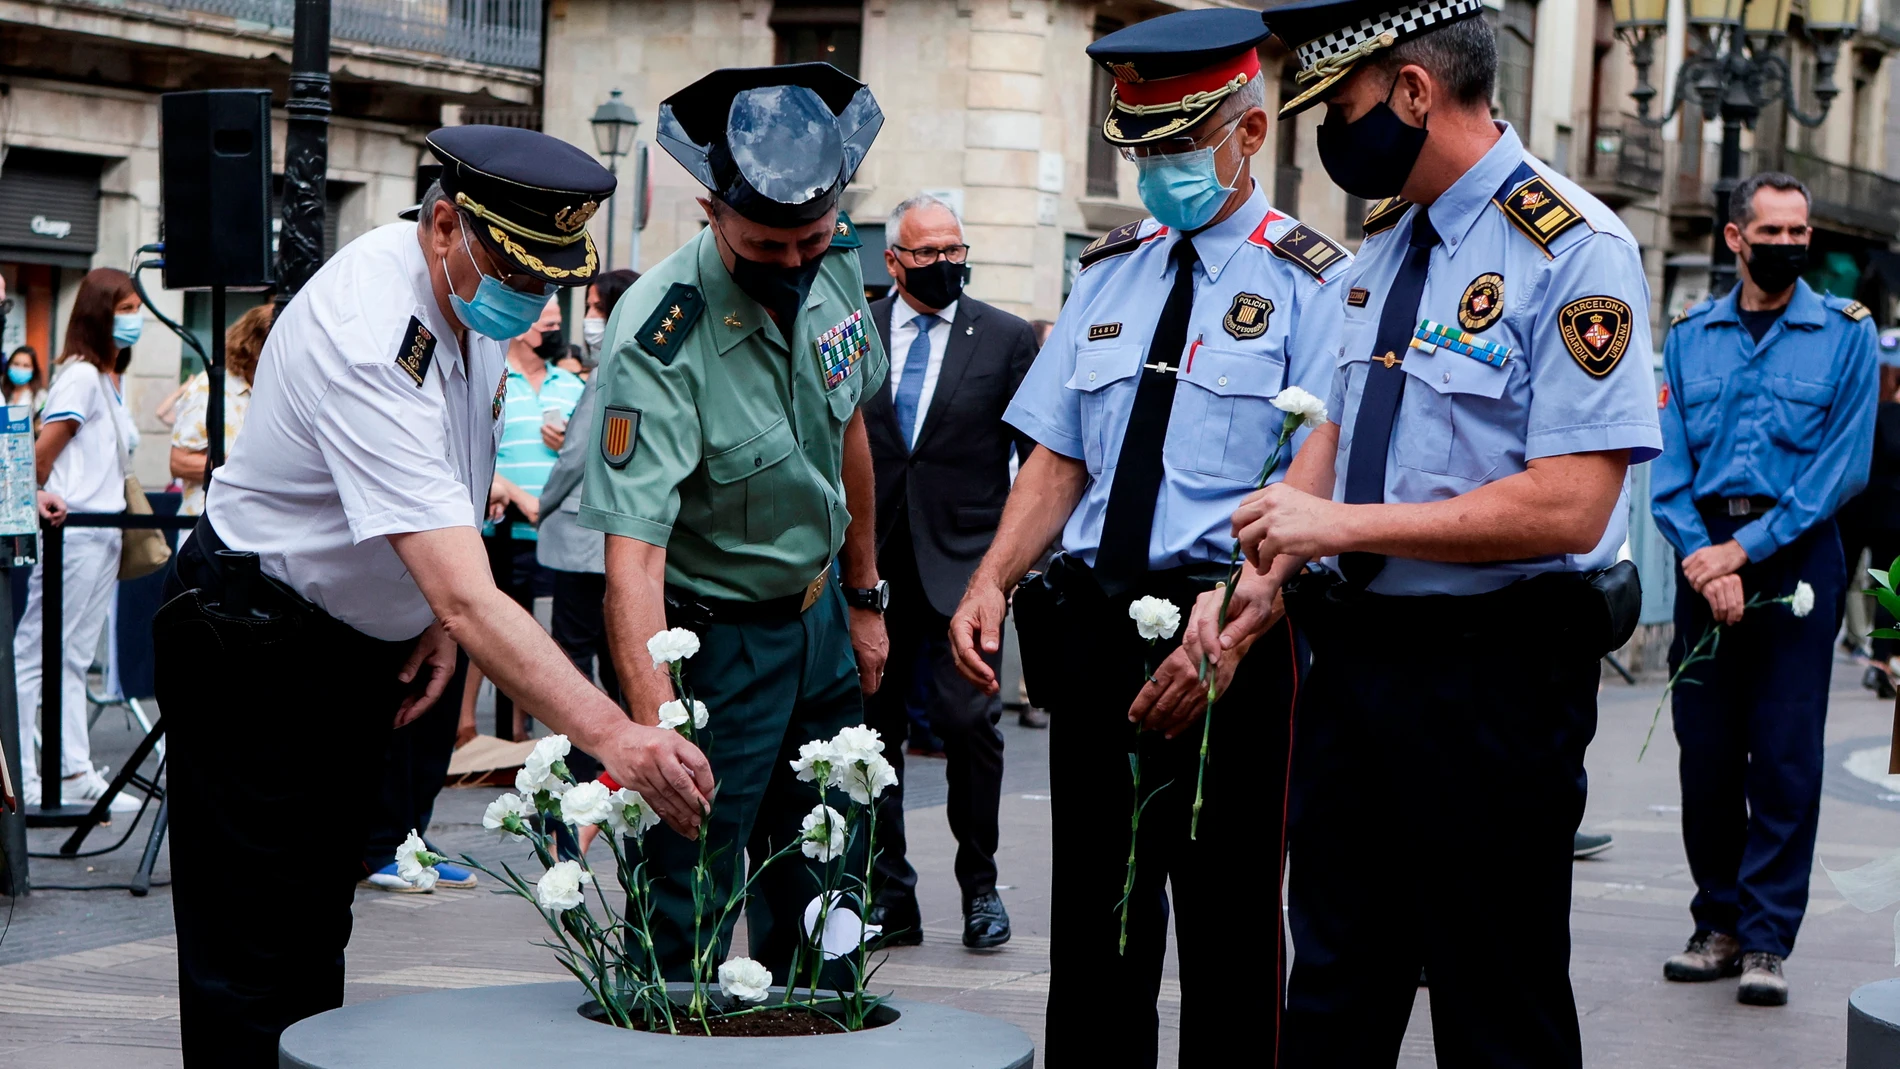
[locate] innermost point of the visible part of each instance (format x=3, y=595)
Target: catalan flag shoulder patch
x=665, y=330
x=1309, y=250
x=619, y=435
x=1536, y=209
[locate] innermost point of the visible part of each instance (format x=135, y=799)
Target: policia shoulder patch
x=1536, y=208
x=1311, y=250
x=417, y=351
x=1596, y=330
x=663, y=331
x=1119, y=240
x=619, y=434
x=1384, y=215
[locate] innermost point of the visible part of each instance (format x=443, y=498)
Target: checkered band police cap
x=1331, y=37
x=1402, y=23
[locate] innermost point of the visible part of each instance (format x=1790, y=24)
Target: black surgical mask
x=779, y=290
x=1776, y=267
x=552, y=348
x=1372, y=156
x=937, y=286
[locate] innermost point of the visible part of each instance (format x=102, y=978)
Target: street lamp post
x=614, y=124
x=1736, y=70
x=306, y=151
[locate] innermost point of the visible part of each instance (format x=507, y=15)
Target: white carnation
x=1297, y=402
x=560, y=888
x=823, y=833
x=1155, y=617
x=539, y=767
x=629, y=814
x=858, y=743
x=673, y=644
x=815, y=761
x=496, y=817
x=415, y=864
x=745, y=980
x=865, y=780
x=586, y=803
x=1802, y=603
x=673, y=715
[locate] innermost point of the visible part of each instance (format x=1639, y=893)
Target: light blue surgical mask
x=498, y=310
x=126, y=329
x=1182, y=190
x=19, y=376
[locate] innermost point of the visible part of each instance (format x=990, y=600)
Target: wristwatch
x=875, y=598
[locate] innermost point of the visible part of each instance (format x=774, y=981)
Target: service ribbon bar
x=1432, y=335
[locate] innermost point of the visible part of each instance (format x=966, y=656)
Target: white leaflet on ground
x=844, y=932
x=1875, y=885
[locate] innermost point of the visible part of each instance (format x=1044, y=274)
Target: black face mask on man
x=937, y=286
x=779, y=290
x=1371, y=156
x=1776, y=267
x=552, y=348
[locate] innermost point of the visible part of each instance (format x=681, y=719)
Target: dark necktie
x=910, y=389
x=1385, y=384
x=1129, y=521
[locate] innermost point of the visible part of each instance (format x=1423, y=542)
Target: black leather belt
x=687, y=609
x=1734, y=508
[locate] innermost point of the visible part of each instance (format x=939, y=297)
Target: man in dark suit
x=941, y=453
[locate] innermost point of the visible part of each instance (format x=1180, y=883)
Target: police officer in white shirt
x=355, y=489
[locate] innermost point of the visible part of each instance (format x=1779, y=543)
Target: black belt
x=1734, y=508
x=688, y=609
x=1068, y=575
x=266, y=594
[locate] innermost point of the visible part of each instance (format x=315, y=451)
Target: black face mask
x=1776, y=267
x=552, y=348
x=1372, y=156
x=937, y=286
x=779, y=290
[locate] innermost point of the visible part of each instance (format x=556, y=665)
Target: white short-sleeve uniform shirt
x=86, y=474
x=350, y=438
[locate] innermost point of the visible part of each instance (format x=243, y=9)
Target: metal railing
x=506, y=33
x=1630, y=155
x=1844, y=196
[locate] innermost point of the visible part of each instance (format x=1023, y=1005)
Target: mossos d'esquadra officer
x=1467, y=501
x=733, y=467
x=321, y=598
x=1151, y=406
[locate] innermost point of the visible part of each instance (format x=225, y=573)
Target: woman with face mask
x=25, y=383
x=77, y=460
x=601, y=298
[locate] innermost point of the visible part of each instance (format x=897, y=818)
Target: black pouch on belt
x=1618, y=591
x=1034, y=604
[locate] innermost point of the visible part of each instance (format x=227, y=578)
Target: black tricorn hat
x=778, y=144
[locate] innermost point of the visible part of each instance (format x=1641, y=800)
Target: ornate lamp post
x=614, y=125
x=1737, y=69
x=306, y=154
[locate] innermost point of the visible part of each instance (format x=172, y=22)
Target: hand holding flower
x=1726, y=598
x=1280, y=519
x=1253, y=611
x=1174, y=697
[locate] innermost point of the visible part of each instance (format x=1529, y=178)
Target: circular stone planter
x=536, y=1024
x=1873, y=1026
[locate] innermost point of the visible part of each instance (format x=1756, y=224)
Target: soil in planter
x=774, y=1022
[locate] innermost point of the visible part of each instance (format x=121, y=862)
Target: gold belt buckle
x=814, y=590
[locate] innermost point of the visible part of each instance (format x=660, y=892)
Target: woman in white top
x=84, y=430
x=191, y=444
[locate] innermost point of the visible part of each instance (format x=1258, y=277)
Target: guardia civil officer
x=733, y=467
x=1151, y=409
x=320, y=600
x=1768, y=427
x=1467, y=501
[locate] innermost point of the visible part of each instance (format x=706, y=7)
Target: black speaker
x=214, y=188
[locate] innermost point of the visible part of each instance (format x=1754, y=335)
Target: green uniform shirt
x=717, y=441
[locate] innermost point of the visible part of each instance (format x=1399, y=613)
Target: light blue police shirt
x=1463, y=423
x=1260, y=323
x=1791, y=418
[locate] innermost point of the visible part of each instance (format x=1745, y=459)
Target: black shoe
x=902, y=924
x=1584, y=844
x=1032, y=717
x=985, y=922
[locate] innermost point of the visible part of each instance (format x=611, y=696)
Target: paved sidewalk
x=88, y=979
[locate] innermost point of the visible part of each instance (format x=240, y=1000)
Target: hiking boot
x=1762, y=981
x=1709, y=956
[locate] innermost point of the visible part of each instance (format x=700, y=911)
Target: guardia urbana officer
x=1768, y=427
x=1151, y=409
x=733, y=467
x=1467, y=502
x=338, y=565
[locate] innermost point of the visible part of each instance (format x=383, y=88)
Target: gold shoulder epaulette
x=1119, y=240
x=1540, y=212
x=1311, y=250
x=1855, y=311
x=1384, y=215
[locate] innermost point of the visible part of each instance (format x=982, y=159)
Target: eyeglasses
x=1169, y=146
x=956, y=254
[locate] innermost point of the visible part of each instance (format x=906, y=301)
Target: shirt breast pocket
x=1800, y=411
x=1701, y=415
x=1224, y=423
x=843, y=398
x=744, y=488
x=1457, y=415
x=1104, y=411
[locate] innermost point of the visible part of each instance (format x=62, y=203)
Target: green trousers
x=769, y=688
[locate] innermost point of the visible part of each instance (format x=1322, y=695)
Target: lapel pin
x=969, y=330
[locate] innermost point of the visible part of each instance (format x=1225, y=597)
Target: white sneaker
x=90, y=786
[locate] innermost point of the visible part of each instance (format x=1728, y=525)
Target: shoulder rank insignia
x=1119, y=240
x=1538, y=210
x=1482, y=303
x=1855, y=311
x=1247, y=317
x=619, y=434
x=1311, y=250
x=1682, y=316
x=417, y=351
x=1596, y=330
x=1384, y=215
x=666, y=328
x=844, y=236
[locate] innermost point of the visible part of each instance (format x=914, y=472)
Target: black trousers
x=1223, y=886
x=414, y=769
x=579, y=626
x=519, y=575
x=256, y=712
x=1750, y=726
x=961, y=715
x=1440, y=744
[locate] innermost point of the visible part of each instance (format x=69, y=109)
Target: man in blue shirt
x=1467, y=504
x=1151, y=408
x=1768, y=417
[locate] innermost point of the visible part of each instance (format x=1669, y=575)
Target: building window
x=1104, y=176
x=1516, y=27
x=1286, y=148
x=807, y=32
